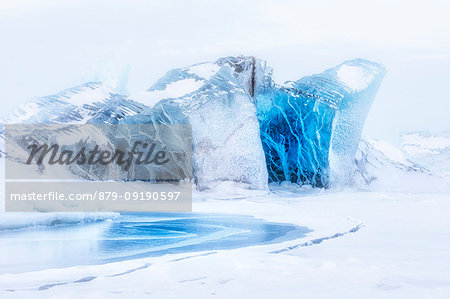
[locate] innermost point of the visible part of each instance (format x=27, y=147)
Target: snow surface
x=389, y=239
x=204, y=70
x=173, y=90
x=354, y=77
x=431, y=151
x=389, y=150
x=89, y=95
x=23, y=220
x=364, y=245
x=430, y=144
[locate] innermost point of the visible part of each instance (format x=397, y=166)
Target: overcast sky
x=47, y=46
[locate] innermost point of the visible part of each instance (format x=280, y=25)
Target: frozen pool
x=134, y=235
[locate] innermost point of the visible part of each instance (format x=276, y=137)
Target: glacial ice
x=310, y=128
x=295, y=128
x=363, y=78
x=431, y=151
x=225, y=130
x=245, y=127
x=93, y=102
x=382, y=166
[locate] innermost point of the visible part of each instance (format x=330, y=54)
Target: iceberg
x=362, y=78
x=245, y=127
x=225, y=129
x=380, y=166
x=92, y=102
x=429, y=150
x=310, y=128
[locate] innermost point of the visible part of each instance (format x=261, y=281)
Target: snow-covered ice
x=364, y=245
x=431, y=151
x=386, y=236
x=245, y=127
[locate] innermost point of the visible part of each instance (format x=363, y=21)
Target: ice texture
x=23, y=220
x=225, y=129
x=245, y=127
x=295, y=128
x=380, y=166
x=430, y=150
x=362, y=79
x=310, y=128
x=93, y=102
